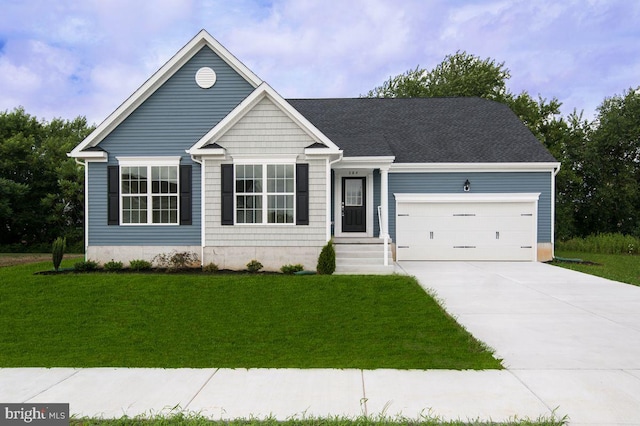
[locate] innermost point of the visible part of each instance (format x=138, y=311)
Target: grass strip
x=230, y=321
x=181, y=419
x=618, y=267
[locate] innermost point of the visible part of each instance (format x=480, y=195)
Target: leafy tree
x=461, y=74
x=612, y=167
x=41, y=188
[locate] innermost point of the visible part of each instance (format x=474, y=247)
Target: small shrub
x=112, y=266
x=291, y=269
x=211, y=268
x=327, y=259
x=254, y=266
x=139, y=265
x=176, y=260
x=85, y=266
x=57, y=251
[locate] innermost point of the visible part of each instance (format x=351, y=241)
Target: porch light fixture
x=467, y=185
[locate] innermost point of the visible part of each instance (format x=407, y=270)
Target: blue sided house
x=205, y=157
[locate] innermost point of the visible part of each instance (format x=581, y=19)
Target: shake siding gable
x=266, y=131
x=169, y=122
x=507, y=182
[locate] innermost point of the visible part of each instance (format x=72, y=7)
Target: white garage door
x=466, y=226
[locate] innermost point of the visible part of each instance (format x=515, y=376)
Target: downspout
x=86, y=206
x=556, y=170
x=202, y=204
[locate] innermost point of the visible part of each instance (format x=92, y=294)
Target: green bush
x=603, y=244
x=254, y=266
x=211, y=268
x=113, y=266
x=327, y=260
x=85, y=266
x=57, y=251
x=139, y=265
x=292, y=269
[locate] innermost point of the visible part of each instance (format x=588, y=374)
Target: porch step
x=365, y=257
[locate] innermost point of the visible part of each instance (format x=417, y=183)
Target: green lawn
x=232, y=321
x=619, y=267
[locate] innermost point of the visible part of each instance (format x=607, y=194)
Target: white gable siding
x=266, y=130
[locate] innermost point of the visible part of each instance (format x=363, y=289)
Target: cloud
x=69, y=58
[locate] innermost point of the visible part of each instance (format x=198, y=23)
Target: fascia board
x=203, y=38
x=472, y=167
x=262, y=91
x=364, y=162
x=94, y=156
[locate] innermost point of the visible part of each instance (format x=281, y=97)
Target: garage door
x=466, y=226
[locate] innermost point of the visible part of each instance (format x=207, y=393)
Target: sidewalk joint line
x=76, y=371
x=363, y=401
x=201, y=388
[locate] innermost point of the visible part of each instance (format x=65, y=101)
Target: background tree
x=612, y=167
x=461, y=74
x=41, y=189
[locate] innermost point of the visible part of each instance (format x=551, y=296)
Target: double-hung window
x=149, y=191
x=265, y=193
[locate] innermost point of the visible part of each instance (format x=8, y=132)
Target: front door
x=354, y=215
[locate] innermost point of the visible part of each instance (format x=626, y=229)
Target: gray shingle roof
x=425, y=130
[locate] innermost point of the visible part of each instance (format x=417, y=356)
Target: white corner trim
x=472, y=167
x=203, y=38
x=145, y=161
x=262, y=91
x=468, y=198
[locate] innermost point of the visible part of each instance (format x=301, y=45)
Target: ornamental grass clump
x=57, y=250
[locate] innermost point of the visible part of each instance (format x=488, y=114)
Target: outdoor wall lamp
x=467, y=185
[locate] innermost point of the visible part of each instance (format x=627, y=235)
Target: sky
x=69, y=58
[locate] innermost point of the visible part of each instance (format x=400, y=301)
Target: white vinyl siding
x=269, y=132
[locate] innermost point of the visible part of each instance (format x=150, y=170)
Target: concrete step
x=365, y=270
x=373, y=261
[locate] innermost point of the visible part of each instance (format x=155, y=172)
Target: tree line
x=597, y=189
x=41, y=189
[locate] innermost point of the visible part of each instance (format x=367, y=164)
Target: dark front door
x=353, y=205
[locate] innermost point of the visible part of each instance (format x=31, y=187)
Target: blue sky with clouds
x=66, y=58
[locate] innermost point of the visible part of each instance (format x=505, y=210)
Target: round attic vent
x=205, y=77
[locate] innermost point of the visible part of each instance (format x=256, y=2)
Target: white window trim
x=148, y=162
x=289, y=160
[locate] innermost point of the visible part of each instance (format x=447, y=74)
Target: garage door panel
x=466, y=231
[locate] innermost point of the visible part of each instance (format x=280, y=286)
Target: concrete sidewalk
x=570, y=341
x=286, y=393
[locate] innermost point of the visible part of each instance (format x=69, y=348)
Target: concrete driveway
x=572, y=339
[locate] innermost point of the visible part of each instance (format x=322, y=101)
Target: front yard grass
x=618, y=267
x=227, y=321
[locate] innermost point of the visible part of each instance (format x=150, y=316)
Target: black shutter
x=185, y=195
x=113, y=195
x=302, y=194
x=227, y=193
